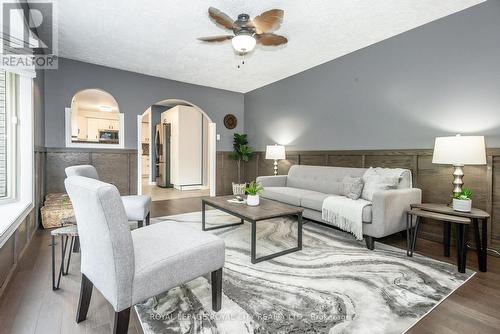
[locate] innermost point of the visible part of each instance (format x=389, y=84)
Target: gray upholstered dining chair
x=128, y=267
x=137, y=207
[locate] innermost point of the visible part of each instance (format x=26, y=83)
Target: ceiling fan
x=248, y=33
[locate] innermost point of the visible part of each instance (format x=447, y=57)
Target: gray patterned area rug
x=334, y=285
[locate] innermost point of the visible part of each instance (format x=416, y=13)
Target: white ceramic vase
x=462, y=205
x=253, y=200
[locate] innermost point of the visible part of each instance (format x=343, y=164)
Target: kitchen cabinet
x=93, y=129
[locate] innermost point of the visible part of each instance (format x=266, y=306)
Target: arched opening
x=93, y=119
x=177, y=151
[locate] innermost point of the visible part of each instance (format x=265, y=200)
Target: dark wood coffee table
x=267, y=209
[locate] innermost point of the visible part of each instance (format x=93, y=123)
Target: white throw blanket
x=345, y=213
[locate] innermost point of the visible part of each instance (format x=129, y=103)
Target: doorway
x=177, y=151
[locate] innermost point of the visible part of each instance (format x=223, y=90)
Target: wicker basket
x=56, y=207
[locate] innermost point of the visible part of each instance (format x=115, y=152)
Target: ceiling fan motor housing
x=243, y=23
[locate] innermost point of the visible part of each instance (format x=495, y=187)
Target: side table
x=461, y=223
x=477, y=217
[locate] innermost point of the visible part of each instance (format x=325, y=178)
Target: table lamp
x=275, y=152
x=459, y=151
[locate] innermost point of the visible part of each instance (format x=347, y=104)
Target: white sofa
x=308, y=186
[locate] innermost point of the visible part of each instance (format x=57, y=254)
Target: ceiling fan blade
x=216, y=39
x=221, y=18
x=270, y=39
x=268, y=21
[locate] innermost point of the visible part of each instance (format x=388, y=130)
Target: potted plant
x=462, y=201
x=241, y=152
x=253, y=190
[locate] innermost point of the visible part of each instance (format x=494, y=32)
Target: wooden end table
x=267, y=209
x=476, y=216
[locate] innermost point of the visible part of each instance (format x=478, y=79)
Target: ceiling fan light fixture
x=243, y=43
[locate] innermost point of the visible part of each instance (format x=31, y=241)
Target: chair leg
x=122, y=319
x=370, y=242
x=76, y=245
x=148, y=218
x=84, y=302
x=216, y=278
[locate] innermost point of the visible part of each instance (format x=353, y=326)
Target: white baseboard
x=195, y=187
x=152, y=183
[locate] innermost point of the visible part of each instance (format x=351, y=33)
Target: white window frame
x=11, y=118
x=14, y=210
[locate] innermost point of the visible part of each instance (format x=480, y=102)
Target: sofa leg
x=216, y=278
x=148, y=218
x=122, y=320
x=370, y=242
x=84, y=302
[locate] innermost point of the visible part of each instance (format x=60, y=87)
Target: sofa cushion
x=352, y=187
x=327, y=180
x=315, y=202
x=288, y=195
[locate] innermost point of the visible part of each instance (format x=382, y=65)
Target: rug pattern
x=334, y=285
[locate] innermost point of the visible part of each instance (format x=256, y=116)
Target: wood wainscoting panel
x=227, y=173
x=391, y=161
x=344, y=160
x=55, y=165
x=113, y=168
x=313, y=159
x=118, y=167
x=434, y=180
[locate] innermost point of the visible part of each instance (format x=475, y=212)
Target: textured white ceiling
x=159, y=37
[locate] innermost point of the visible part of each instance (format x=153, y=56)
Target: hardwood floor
x=29, y=305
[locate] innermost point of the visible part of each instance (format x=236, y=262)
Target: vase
x=462, y=205
x=253, y=200
x=239, y=188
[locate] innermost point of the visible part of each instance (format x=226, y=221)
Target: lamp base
x=275, y=167
x=458, y=175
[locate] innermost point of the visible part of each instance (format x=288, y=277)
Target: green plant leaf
x=253, y=188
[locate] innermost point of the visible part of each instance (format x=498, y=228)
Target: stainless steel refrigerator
x=162, y=140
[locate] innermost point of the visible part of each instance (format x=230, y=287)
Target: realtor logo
x=28, y=35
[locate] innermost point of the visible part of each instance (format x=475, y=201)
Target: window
x=8, y=133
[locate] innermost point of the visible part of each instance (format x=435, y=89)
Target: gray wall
x=438, y=79
x=134, y=94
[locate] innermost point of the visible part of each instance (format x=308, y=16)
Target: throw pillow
x=374, y=181
x=352, y=187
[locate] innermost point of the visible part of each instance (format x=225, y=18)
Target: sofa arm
x=272, y=181
x=389, y=211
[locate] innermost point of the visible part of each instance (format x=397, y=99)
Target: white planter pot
x=239, y=188
x=253, y=200
x=462, y=205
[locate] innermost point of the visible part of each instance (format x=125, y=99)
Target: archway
x=93, y=120
x=157, y=114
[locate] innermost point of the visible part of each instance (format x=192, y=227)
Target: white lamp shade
x=275, y=152
x=459, y=150
x=243, y=43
